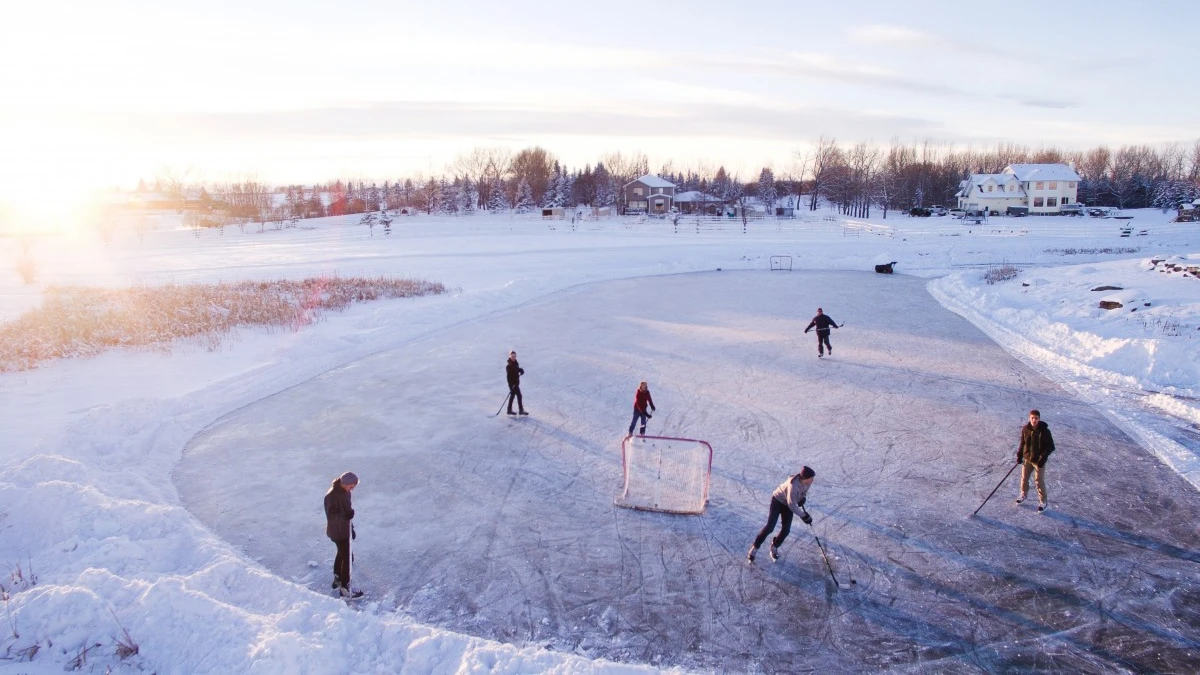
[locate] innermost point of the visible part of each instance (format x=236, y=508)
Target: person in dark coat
x=822, y=323
x=514, y=371
x=1035, y=448
x=339, y=511
x=787, y=499
x=641, y=399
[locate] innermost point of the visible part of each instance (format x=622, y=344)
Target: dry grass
x=84, y=321
x=1092, y=251
x=1000, y=273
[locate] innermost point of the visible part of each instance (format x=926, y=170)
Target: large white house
x=1040, y=188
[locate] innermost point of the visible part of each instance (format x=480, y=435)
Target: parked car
x=956, y=213
x=1017, y=211
x=937, y=210
x=1071, y=209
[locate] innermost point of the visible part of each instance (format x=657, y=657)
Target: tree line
x=853, y=178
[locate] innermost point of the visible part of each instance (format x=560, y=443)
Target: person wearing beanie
x=641, y=399
x=1035, y=448
x=822, y=322
x=787, y=499
x=339, y=511
x=513, y=371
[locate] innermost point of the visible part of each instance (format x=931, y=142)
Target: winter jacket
x=792, y=492
x=338, y=512
x=1036, y=444
x=821, y=322
x=514, y=371
x=641, y=399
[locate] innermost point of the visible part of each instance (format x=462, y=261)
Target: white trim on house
x=1042, y=188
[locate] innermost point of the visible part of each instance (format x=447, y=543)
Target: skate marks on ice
x=506, y=528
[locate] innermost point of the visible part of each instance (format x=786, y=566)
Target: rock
x=1108, y=288
x=1110, y=304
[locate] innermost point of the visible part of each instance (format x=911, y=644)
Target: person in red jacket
x=641, y=400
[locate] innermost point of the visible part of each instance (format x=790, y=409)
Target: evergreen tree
x=606, y=188
x=466, y=198
x=369, y=219
x=524, y=203
x=766, y=190
x=385, y=219
x=497, y=202
x=566, y=185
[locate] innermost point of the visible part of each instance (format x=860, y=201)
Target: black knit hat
x=806, y=473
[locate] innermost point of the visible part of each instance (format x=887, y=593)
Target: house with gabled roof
x=1040, y=188
x=649, y=194
x=694, y=201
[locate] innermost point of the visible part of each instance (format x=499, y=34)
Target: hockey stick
x=502, y=404
x=1014, y=466
x=823, y=555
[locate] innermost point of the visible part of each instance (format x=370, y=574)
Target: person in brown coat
x=1035, y=448
x=339, y=511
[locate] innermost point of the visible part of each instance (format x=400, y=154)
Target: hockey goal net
x=665, y=474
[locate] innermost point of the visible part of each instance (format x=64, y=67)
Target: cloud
x=408, y=119
x=1043, y=103
x=819, y=66
x=906, y=37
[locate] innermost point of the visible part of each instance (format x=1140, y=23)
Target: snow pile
x=1136, y=362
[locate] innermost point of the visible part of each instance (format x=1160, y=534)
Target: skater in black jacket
x=338, y=514
x=514, y=371
x=822, y=322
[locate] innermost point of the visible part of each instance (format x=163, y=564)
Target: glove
x=521, y=371
x=806, y=518
x=1018, y=458
x=350, y=516
x=802, y=500
x=653, y=408
x=649, y=416
x=353, y=534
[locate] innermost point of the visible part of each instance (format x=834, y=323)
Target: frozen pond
x=506, y=529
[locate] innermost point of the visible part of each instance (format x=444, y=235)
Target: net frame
x=645, y=486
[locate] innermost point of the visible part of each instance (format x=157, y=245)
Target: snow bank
x=1139, y=363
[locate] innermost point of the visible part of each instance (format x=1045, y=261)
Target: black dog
x=885, y=269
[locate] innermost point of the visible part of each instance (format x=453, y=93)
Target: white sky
x=102, y=93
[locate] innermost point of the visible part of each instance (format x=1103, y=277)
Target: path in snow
x=505, y=528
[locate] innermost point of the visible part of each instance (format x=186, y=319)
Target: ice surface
x=505, y=528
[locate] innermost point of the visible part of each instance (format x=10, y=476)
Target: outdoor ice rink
x=505, y=528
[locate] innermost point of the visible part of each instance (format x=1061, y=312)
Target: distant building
x=694, y=201
x=1040, y=188
x=649, y=194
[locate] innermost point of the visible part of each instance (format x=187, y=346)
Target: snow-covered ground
x=177, y=496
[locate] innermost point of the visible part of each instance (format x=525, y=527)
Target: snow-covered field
x=177, y=496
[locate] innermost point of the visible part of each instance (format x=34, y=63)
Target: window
x=1037, y=202
x=1071, y=185
x=1039, y=186
x=990, y=188
x=1010, y=187
x=1053, y=186
x=637, y=191
x=1051, y=201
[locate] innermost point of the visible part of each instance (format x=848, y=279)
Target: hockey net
x=665, y=474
